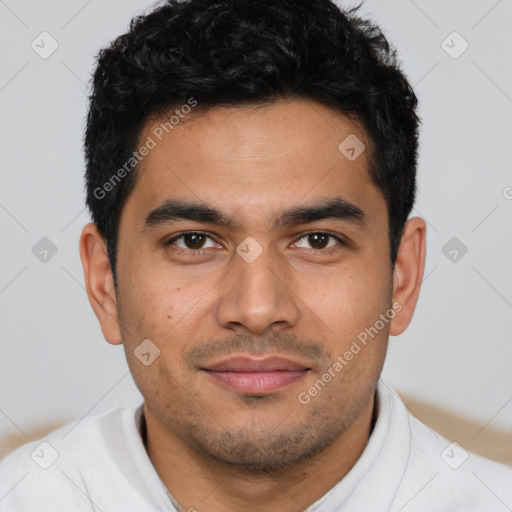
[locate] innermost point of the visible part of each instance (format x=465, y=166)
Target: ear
x=408, y=273
x=99, y=282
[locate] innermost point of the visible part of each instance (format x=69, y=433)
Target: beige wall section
x=14, y=439
x=483, y=440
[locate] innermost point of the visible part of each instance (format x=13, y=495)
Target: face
x=254, y=254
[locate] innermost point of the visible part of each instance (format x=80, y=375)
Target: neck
x=198, y=483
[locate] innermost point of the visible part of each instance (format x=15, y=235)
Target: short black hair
x=238, y=52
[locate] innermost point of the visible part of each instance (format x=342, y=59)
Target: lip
x=249, y=375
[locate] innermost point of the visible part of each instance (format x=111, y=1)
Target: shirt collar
x=373, y=481
x=371, y=484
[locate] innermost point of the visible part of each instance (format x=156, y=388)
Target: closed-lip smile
x=256, y=376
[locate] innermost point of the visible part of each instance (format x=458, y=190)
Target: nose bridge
x=255, y=295
x=257, y=277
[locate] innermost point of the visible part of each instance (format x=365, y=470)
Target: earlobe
x=99, y=282
x=408, y=273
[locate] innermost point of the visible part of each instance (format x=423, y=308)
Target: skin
x=214, y=448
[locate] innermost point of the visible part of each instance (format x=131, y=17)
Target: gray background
x=453, y=365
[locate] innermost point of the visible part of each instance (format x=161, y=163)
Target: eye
x=318, y=241
x=192, y=240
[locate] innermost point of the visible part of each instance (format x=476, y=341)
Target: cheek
x=166, y=313
x=348, y=298
x=153, y=300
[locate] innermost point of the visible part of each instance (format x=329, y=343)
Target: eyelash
x=198, y=252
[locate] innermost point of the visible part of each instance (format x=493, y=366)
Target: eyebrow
x=335, y=208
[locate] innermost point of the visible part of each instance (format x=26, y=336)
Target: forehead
x=252, y=160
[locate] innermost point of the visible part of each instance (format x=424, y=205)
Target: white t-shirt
x=101, y=465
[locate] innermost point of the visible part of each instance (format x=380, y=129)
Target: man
x=250, y=173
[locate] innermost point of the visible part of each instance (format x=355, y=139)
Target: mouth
x=249, y=375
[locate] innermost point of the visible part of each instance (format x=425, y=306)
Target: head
x=250, y=172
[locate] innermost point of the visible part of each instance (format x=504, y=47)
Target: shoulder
x=442, y=475
x=47, y=474
x=78, y=441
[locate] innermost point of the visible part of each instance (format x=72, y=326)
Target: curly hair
x=235, y=52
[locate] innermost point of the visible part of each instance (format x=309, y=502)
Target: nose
x=257, y=296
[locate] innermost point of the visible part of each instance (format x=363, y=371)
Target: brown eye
x=318, y=241
x=192, y=241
